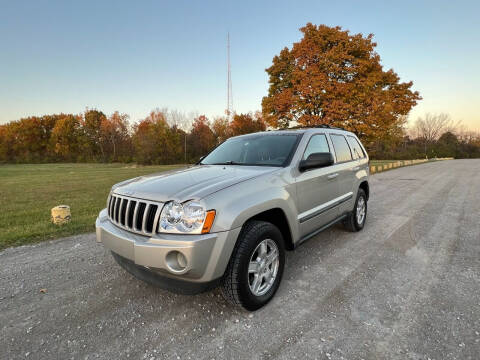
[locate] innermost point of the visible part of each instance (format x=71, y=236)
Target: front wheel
x=356, y=219
x=256, y=267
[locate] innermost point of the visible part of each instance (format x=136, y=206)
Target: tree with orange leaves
x=221, y=129
x=115, y=137
x=201, y=139
x=155, y=142
x=92, y=127
x=68, y=139
x=335, y=78
x=247, y=123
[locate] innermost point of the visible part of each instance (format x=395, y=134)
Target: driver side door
x=317, y=190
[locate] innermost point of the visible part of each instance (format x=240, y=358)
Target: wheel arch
x=365, y=187
x=277, y=217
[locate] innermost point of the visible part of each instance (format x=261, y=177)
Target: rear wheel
x=356, y=219
x=256, y=267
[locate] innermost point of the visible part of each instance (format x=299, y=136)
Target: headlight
x=187, y=218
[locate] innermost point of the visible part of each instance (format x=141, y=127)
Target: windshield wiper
x=230, y=162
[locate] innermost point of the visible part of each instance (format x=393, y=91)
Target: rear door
x=317, y=190
x=345, y=167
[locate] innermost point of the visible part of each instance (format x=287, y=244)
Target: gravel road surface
x=406, y=287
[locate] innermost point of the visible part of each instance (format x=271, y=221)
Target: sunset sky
x=135, y=56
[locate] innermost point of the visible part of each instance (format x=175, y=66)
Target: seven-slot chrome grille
x=135, y=215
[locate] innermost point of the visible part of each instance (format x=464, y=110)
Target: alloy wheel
x=263, y=267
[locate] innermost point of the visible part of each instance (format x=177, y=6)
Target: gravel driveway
x=406, y=287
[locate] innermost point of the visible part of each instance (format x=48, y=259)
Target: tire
x=238, y=281
x=351, y=222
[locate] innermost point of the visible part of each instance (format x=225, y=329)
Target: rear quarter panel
x=360, y=176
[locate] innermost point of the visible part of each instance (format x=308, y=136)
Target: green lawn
x=382, y=162
x=28, y=192
x=386, y=162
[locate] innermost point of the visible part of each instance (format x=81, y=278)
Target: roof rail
x=321, y=126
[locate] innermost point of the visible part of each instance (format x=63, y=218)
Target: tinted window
x=356, y=148
x=341, y=148
x=317, y=144
x=267, y=150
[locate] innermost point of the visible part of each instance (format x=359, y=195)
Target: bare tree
x=468, y=136
x=432, y=126
x=179, y=119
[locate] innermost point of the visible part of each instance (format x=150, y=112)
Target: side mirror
x=316, y=160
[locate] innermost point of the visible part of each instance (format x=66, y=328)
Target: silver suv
x=229, y=219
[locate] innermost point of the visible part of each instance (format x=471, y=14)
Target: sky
x=66, y=56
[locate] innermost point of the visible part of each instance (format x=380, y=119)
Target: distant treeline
x=95, y=137
x=161, y=138
x=431, y=136
x=329, y=77
x=463, y=146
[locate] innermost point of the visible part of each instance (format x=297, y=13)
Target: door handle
x=332, y=176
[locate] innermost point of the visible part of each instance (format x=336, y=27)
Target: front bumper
x=206, y=255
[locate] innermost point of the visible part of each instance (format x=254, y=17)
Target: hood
x=192, y=183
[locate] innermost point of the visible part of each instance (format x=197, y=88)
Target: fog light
x=182, y=260
x=176, y=261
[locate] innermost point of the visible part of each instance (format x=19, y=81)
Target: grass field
x=401, y=162
x=28, y=192
x=382, y=162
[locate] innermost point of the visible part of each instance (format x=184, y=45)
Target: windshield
x=255, y=150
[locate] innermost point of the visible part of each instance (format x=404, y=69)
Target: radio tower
x=229, y=110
